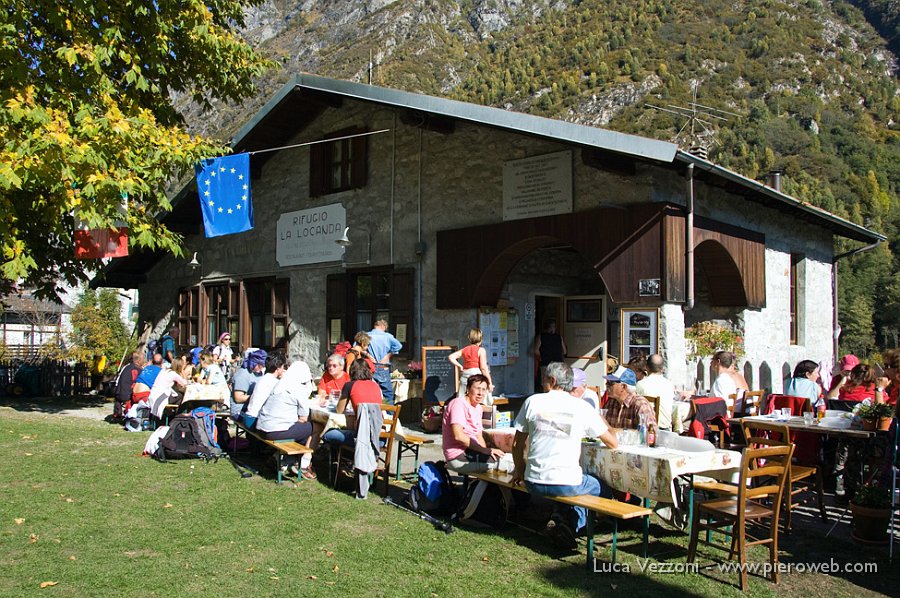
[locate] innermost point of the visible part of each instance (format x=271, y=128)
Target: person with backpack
x=465, y=445
x=167, y=345
x=125, y=383
x=552, y=425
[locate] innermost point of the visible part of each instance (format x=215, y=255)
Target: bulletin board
x=500, y=330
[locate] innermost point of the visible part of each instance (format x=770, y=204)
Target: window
x=222, y=312
x=268, y=313
x=338, y=165
x=189, y=317
x=356, y=300
x=797, y=298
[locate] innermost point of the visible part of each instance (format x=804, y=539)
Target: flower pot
x=884, y=423
x=870, y=524
x=869, y=425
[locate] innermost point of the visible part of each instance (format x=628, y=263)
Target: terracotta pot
x=869, y=425
x=870, y=524
x=884, y=423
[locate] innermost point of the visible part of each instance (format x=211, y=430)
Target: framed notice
x=537, y=186
x=640, y=333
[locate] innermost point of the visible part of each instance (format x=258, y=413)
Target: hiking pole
x=437, y=523
x=245, y=470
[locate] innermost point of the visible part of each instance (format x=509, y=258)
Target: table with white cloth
x=650, y=472
x=328, y=418
x=197, y=395
x=681, y=411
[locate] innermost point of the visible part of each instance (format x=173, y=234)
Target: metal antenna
x=697, y=133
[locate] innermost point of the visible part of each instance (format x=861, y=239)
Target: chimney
x=775, y=180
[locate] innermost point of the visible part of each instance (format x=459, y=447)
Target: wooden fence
x=45, y=378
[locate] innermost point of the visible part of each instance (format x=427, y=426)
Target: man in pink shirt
x=465, y=446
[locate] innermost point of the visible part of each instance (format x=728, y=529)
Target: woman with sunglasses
x=224, y=354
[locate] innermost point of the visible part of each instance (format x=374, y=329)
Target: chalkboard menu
x=439, y=376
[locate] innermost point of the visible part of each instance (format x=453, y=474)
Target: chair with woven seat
x=752, y=506
x=345, y=454
x=760, y=434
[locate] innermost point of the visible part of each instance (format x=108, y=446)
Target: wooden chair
x=391, y=415
x=655, y=402
x=753, y=402
x=763, y=434
x=768, y=465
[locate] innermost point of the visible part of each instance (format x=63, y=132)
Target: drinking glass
x=808, y=417
x=785, y=413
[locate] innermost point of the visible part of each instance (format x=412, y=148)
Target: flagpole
x=329, y=140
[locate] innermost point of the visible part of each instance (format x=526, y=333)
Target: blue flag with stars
x=224, y=188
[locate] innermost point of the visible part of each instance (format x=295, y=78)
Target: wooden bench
x=601, y=506
x=283, y=448
x=410, y=443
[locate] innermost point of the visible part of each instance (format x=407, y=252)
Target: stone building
x=460, y=214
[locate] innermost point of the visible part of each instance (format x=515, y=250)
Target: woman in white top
x=285, y=414
x=169, y=386
x=223, y=353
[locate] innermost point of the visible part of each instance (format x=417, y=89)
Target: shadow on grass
x=54, y=404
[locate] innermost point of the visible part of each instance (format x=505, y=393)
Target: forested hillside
x=814, y=84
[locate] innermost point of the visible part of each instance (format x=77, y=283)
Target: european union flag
x=224, y=188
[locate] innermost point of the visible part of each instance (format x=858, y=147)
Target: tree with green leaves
x=86, y=119
x=98, y=329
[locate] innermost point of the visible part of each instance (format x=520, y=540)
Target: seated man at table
x=465, y=446
x=552, y=424
x=276, y=364
x=625, y=406
x=728, y=380
x=244, y=381
x=333, y=379
x=654, y=384
x=144, y=381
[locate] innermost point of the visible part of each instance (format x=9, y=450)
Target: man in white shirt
x=276, y=364
x=654, y=384
x=552, y=424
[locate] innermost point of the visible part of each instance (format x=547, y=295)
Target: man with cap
x=580, y=389
x=654, y=384
x=245, y=380
x=551, y=424
x=625, y=407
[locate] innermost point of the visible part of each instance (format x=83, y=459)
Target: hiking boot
x=561, y=534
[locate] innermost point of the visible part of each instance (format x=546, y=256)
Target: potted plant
x=876, y=416
x=871, y=508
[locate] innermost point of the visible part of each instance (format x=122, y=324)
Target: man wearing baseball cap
x=625, y=408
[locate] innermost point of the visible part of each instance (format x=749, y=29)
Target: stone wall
x=420, y=182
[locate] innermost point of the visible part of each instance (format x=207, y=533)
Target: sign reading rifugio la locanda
x=308, y=236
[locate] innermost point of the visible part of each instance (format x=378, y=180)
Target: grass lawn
x=81, y=507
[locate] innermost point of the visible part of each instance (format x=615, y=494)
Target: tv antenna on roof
x=697, y=134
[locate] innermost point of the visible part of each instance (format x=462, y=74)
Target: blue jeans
x=577, y=516
x=337, y=437
x=383, y=377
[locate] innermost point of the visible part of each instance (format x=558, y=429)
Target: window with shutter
x=338, y=165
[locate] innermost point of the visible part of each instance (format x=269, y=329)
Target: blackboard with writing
x=439, y=376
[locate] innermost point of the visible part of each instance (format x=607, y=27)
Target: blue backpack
x=207, y=419
x=434, y=493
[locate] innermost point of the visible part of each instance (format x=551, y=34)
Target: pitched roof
x=303, y=99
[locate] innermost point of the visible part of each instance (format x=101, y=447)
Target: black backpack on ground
x=433, y=480
x=486, y=505
x=186, y=439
